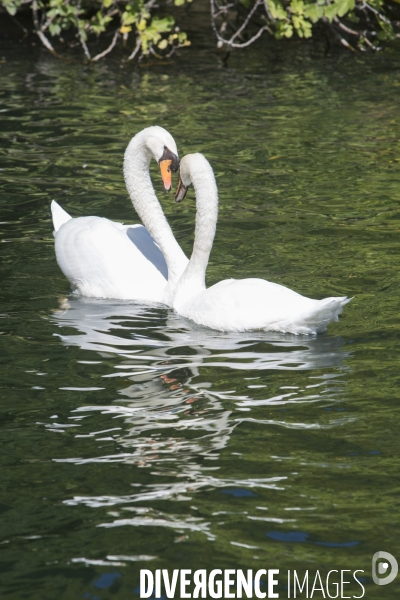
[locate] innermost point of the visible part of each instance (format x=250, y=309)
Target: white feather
x=59, y=215
x=104, y=259
x=239, y=305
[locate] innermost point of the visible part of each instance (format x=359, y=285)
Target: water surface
x=132, y=438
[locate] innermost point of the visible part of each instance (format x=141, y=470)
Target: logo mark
x=380, y=565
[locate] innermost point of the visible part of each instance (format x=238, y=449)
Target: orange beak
x=166, y=173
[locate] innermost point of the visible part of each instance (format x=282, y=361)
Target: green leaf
x=344, y=6
x=11, y=9
x=276, y=9
x=99, y=22
x=339, y=8
x=330, y=11
x=376, y=3
x=82, y=30
x=297, y=7
x=163, y=25
x=302, y=26
x=284, y=29
x=387, y=32
x=353, y=17
x=128, y=18
x=313, y=12
x=11, y=6
x=54, y=29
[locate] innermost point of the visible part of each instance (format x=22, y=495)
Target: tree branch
x=136, y=48
x=223, y=10
x=110, y=47
x=377, y=13
x=342, y=40
x=246, y=22
x=230, y=42
x=38, y=30
x=80, y=32
x=346, y=29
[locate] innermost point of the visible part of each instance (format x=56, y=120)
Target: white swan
x=237, y=305
x=104, y=259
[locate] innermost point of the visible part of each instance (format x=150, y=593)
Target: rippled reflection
x=128, y=329
x=174, y=414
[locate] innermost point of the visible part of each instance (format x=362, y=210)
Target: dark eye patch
x=168, y=155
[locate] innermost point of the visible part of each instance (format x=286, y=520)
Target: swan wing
x=143, y=241
x=101, y=259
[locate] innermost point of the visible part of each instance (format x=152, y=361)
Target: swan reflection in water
x=189, y=387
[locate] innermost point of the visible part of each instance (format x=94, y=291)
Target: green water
x=130, y=438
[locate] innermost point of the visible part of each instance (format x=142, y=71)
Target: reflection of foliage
x=353, y=22
x=91, y=18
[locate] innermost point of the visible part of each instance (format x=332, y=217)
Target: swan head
x=162, y=146
x=193, y=166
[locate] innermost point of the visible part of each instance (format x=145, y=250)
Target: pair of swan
x=131, y=262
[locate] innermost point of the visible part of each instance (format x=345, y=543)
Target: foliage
x=355, y=23
x=84, y=20
x=236, y=23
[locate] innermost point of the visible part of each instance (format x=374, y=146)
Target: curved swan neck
x=203, y=180
x=137, y=179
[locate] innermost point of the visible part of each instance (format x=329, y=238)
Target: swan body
x=103, y=259
x=106, y=259
x=238, y=305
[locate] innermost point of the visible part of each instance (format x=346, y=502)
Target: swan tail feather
x=316, y=319
x=59, y=215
